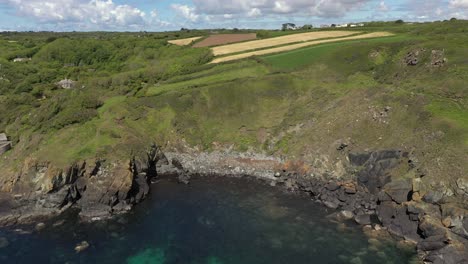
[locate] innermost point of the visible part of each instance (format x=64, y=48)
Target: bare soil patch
x=298, y=46
x=222, y=39
x=283, y=40
x=184, y=42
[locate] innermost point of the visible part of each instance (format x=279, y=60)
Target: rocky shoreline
x=434, y=222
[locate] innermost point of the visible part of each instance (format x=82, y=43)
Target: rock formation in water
x=98, y=188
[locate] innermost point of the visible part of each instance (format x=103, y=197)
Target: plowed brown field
x=222, y=39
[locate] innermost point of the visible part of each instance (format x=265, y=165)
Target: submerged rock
x=81, y=246
x=4, y=242
x=40, y=226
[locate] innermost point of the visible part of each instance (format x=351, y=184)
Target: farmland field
x=277, y=41
x=298, y=46
x=299, y=58
x=184, y=42
x=222, y=39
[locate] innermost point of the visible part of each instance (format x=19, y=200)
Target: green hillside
x=132, y=89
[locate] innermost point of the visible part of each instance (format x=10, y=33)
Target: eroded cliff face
x=379, y=189
x=99, y=188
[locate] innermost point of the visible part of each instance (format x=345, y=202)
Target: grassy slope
x=297, y=104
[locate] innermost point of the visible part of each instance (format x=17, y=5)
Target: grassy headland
x=135, y=88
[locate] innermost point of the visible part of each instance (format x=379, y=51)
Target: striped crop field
x=278, y=41
x=294, y=46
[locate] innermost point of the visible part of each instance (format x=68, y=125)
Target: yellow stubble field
x=184, y=42
x=290, y=47
x=278, y=41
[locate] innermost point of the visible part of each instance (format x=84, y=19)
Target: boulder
x=346, y=215
x=432, y=243
x=449, y=254
x=399, y=191
x=332, y=186
x=398, y=221
x=430, y=226
x=40, y=226
x=81, y=246
x=433, y=197
x=363, y=219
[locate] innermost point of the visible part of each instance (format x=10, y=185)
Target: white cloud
x=458, y=4
x=104, y=13
x=282, y=7
x=186, y=12
x=254, y=12
x=252, y=8
x=383, y=7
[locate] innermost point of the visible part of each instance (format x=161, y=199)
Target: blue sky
x=160, y=15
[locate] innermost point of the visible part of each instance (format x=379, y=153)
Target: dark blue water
x=211, y=221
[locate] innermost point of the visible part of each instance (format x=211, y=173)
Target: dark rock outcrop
x=98, y=188
x=375, y=168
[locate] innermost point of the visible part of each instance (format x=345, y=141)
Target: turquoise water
x=213, y=220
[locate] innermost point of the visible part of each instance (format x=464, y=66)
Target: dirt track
x=222, y=39
x=297, y=46
x=272, y=42
x=184, y=42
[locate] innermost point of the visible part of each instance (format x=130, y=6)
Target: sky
x=162, y=15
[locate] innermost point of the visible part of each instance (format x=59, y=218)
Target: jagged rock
x=438, y=58
x=456, y=219
x=412, y=57
x=139, y=190
x=398, y=220
x=399, y=191
x=430, y=227
x=374, y=173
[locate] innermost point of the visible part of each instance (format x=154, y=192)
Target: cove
x=212, y=220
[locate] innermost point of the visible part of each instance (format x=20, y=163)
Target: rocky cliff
x=99, y=188
x=382, y=190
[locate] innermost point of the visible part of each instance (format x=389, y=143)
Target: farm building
x=5, y=145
